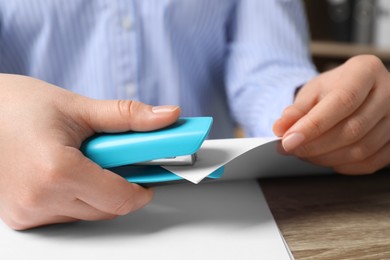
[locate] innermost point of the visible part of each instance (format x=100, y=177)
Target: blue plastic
x=182, y=138
x=117, y=150
x=154, y=174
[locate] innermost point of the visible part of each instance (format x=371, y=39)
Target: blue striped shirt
x=239, y=61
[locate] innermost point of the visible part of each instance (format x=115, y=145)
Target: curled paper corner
x=215, y=154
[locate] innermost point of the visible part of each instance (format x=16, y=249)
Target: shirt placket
x=127, y=50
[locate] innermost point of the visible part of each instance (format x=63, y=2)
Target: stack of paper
x=220, y=220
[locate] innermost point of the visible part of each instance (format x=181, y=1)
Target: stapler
x=139, y=157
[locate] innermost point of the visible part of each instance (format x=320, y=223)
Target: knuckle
x=54, y=170
x=125, y=107
x=370, y=63
x=51, y=173
x=348, y=98
x=31, y=200
x=354, y=129
x=359, y=152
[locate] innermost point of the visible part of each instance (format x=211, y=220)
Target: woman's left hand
x=341, y=119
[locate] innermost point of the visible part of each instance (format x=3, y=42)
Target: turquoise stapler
x=139, y=157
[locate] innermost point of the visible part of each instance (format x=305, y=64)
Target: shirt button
x=127, y=23
x=130, y=90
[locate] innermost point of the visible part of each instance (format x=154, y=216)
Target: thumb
x=329, y=99
x=124, y=115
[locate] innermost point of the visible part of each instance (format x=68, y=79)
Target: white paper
x=226, y=220
x=243, y=158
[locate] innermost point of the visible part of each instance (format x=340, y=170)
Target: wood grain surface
x=333, y=217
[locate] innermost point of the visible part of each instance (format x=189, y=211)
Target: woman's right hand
x=44, y=178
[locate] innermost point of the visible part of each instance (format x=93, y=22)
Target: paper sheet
x=243, y=158
x=226, y=220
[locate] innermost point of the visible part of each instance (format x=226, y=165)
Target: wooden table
x=333, y=217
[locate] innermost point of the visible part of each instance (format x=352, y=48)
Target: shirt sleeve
x=267, y=60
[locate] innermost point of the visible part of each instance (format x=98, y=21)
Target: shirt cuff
x=259, y=108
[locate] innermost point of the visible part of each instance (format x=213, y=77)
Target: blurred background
x=341, y=29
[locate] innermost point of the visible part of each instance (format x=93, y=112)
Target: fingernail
x=292, y=141
x=164, y=109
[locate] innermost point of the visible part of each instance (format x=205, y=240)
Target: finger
x=296, y=111
x=125, y=115
x=54, y=220
x=348, y=94
x=349, y=130
x=107, y=191
x=78, y=209
x=28, y=224
x=356, y=152
x=290, y=115
x=372, y=164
